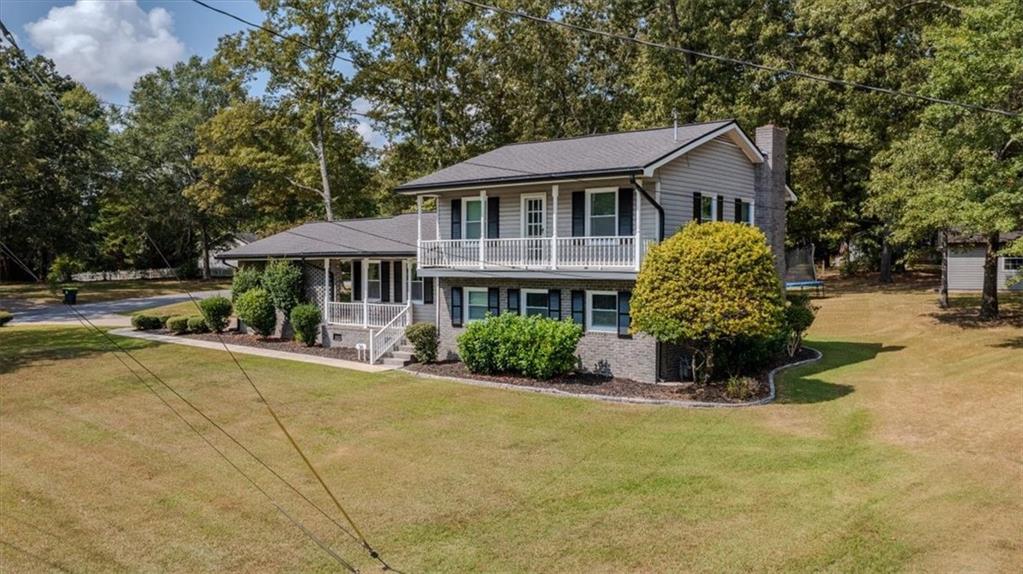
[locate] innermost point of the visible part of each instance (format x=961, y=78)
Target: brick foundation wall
x=630, y=358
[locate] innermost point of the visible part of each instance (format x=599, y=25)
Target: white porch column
x=365, y=292
x=554, y=227
x=483, y=226
x=419, y=226
x=639, y=236
x=326, y=290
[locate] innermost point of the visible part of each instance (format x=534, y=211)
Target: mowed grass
x=186, y=308
x=901, y=450
x=97, y=291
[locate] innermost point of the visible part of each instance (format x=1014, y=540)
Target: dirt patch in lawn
x=594, y=384
x=345, y=353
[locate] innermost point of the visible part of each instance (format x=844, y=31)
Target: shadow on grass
x=1014, y=343
x=964, y=311
x=20, y=348
x=802, y=385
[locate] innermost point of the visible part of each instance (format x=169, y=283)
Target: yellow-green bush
x=708, y=283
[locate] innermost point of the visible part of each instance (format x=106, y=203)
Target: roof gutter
x=653, y=202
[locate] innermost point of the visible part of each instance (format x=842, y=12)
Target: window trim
x=413, y=275
x=379, y=280
x=752, y=216
x=523, y=301
x=713, y=206
x=589, y=194
x=467, y=302
x=1005, y=264
x=465, y=216
x=613, y=330
x=522, y=212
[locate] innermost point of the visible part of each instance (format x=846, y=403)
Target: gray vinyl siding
x=717, y=168
x=966, y=270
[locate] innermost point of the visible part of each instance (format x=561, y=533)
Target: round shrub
x=62, y=268
x=197, y=324
x=143, y=322
x=216, y=311
x=257, y=311
x=305, y=320
x=179, y=324
x=708, y=283
x=283, y=282
x=423, y=337
x=163, y=320
x=245, y=279
x=741, y=388
x=799, y=315
x=5, y=317
x=536, y=347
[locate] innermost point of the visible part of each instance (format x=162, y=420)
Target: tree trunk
x=943, y=289
x=886, y=261
x=205, y=253
x=322, y=157
x=989, y=298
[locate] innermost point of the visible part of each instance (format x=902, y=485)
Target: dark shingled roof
x=604, y=154
x=380, y=236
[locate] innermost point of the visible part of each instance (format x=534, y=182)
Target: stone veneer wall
x=630, y=358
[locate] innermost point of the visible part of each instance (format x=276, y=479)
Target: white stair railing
x=383, y=340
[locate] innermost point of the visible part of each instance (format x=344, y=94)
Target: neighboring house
x=220, y=267
x=557, y=228
x=966, y=264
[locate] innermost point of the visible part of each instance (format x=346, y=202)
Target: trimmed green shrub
x=216, y=311
x=257, y=311
x=305, y=320
x=163, y=320
x=709, y=283
x=536, y=347
x=144, y=322
x=62, y=268
x=245, y=279
x=740, y=388
x=423, y=337
x=799, y=315
x=197, y=324
x=283, y=282
x=178, y=324
x=5, y=317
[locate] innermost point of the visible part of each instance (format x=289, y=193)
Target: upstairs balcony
x=611, y=253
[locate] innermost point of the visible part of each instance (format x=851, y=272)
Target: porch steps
x=400, y=357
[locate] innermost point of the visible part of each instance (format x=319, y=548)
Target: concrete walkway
x=105, y=313
x=246, y=350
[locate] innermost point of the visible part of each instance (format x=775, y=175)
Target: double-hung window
x=708, y=208
x=1012, y=263
x=536, y=302
x=416, y=284
x=373, y=280
x=602, y=314
x=472, y=218
x=602, y=212
x=745, y=214
x=476, y=303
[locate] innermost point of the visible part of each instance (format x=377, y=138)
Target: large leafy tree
x=53, y=163
x=962, y=170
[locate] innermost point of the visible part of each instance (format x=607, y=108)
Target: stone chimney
x=769, y=207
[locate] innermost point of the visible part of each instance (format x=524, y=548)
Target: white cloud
x=106, y=44
x=365, y=128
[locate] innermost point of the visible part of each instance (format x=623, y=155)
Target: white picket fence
x=123, y=275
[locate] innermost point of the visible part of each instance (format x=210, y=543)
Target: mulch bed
x=593, y=384
x=233, y=338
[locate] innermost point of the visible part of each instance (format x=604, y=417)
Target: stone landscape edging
x=631, y=400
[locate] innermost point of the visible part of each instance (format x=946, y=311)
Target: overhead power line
x=737, y=61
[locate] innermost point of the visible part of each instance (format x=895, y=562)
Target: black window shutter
x=385, y=281
x=356, y=280
x=579, y=308
x=578, y=213
x=554, y=304
x=625, y=196
x=698, y=207
x=738, y=210
x=493, y=217
x=721, y=208
x=513, y=302
x=397, y=282
x=494, y=301
x=456, y=306
x=456, y=219
x=624, y=318
x=427, y=290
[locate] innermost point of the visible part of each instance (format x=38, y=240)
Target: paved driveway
x=106, y=313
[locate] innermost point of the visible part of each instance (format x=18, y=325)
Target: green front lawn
x=897, y=452
x=96, y=291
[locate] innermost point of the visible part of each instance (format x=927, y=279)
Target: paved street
x=107, y=313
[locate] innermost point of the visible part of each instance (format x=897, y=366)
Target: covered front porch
x=371, y=292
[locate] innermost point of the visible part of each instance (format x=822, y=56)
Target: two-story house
x=557, y=228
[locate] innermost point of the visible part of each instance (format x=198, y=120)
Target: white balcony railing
x=616, y=252
x=359, y=315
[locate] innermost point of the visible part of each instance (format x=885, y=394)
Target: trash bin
x=70, y=295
